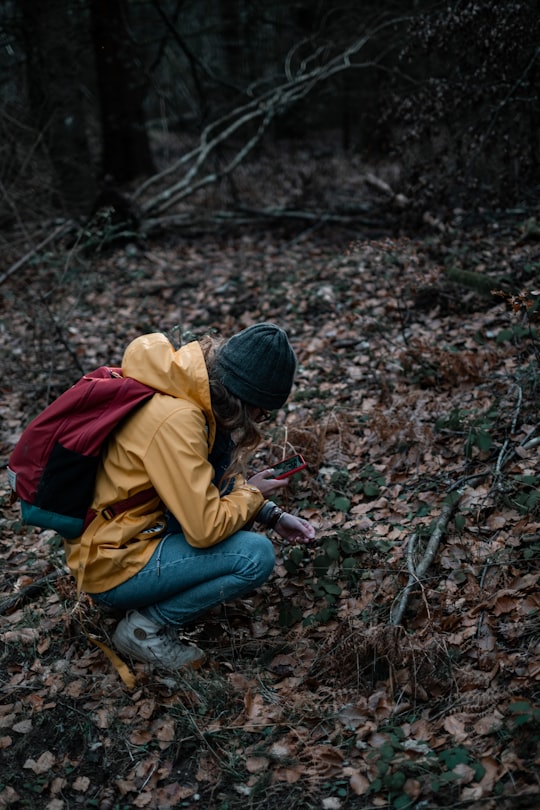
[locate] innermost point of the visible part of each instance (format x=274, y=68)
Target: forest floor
x=416, y=408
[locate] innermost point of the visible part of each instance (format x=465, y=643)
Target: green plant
x=522, y=713
x=399, y=759
x=370, y=481
x=334, y=565
x=476, y=428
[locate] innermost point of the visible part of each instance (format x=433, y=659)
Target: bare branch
x=243, y=215
x=60, y=231
x=502, y=458
x=416, y=572
x=261, y=111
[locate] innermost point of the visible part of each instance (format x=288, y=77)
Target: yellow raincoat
x=164, y=444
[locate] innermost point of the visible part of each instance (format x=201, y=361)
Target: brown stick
x=416, y=572
x=29, y=591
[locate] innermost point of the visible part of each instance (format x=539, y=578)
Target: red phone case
x=299, y=464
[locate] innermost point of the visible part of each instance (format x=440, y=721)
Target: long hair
x=232, y=415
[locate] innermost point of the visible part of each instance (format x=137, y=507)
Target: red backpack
x=52, y=469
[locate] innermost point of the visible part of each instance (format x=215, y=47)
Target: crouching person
x=189, y=544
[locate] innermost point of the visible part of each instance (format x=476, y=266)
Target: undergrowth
x=312, y=697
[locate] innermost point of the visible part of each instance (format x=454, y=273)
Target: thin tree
x=121, y=82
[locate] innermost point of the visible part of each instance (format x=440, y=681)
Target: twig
x=528, y=444
x=482, y=580
x=29, y=591
x=417, y=572
x=22, y=261
x=411, y=567
x=501, y=460
x=500, y=108
x=63, y=340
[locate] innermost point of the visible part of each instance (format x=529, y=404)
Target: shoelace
x=169, y=637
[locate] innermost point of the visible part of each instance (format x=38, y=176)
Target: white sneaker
x=144, y=640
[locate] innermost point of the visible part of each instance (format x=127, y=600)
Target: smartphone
x=289, y=466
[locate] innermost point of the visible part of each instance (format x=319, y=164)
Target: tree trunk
x=56, y=73
x=122, y=88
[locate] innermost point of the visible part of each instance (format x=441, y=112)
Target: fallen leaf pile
x=412, y=390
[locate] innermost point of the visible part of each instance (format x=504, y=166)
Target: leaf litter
x=410, y=387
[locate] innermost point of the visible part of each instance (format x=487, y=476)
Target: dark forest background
x=155, y=99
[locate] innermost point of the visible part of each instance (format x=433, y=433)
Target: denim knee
x=262, y=559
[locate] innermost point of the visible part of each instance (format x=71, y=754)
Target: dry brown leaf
x=125, y=786
x=288, y=775
x=358, y=782
x=491, y=775
x=456, y=727
x=57, y=784
x=163, y=729
x=23, y=635
x=464, y=773
x=55, y=804
x=207, y=771
x=140, y=737
x=332, y=803
x=144, y=799
x=81, y=784
x=23, y=727
x=8, y=796
x=171, y=795
x=146, y=708
x=103, y=718
x=256, y=764
x=45, y=762
x=488, y=724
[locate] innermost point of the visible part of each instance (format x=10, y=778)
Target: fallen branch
x=60, y=231
x=254, y=117
x=244, y=216
x=29, y=591
x=417, y=572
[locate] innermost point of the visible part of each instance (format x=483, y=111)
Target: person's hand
x=294, y=529
x=268, y=486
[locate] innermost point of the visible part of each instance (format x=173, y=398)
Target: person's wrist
x=274, y=517
x=269, y=514
x=276, y=524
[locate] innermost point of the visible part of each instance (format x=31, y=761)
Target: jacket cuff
x=269, y=514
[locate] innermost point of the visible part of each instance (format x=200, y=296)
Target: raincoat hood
x=152, y=360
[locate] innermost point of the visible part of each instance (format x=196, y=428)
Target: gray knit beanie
x=258, y=366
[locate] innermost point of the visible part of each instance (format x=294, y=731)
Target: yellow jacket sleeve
x=176, y=462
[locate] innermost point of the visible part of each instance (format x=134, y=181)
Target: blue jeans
x=180, y=583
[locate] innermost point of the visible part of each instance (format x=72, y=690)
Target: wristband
x=269, y=514
x=275, y=517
